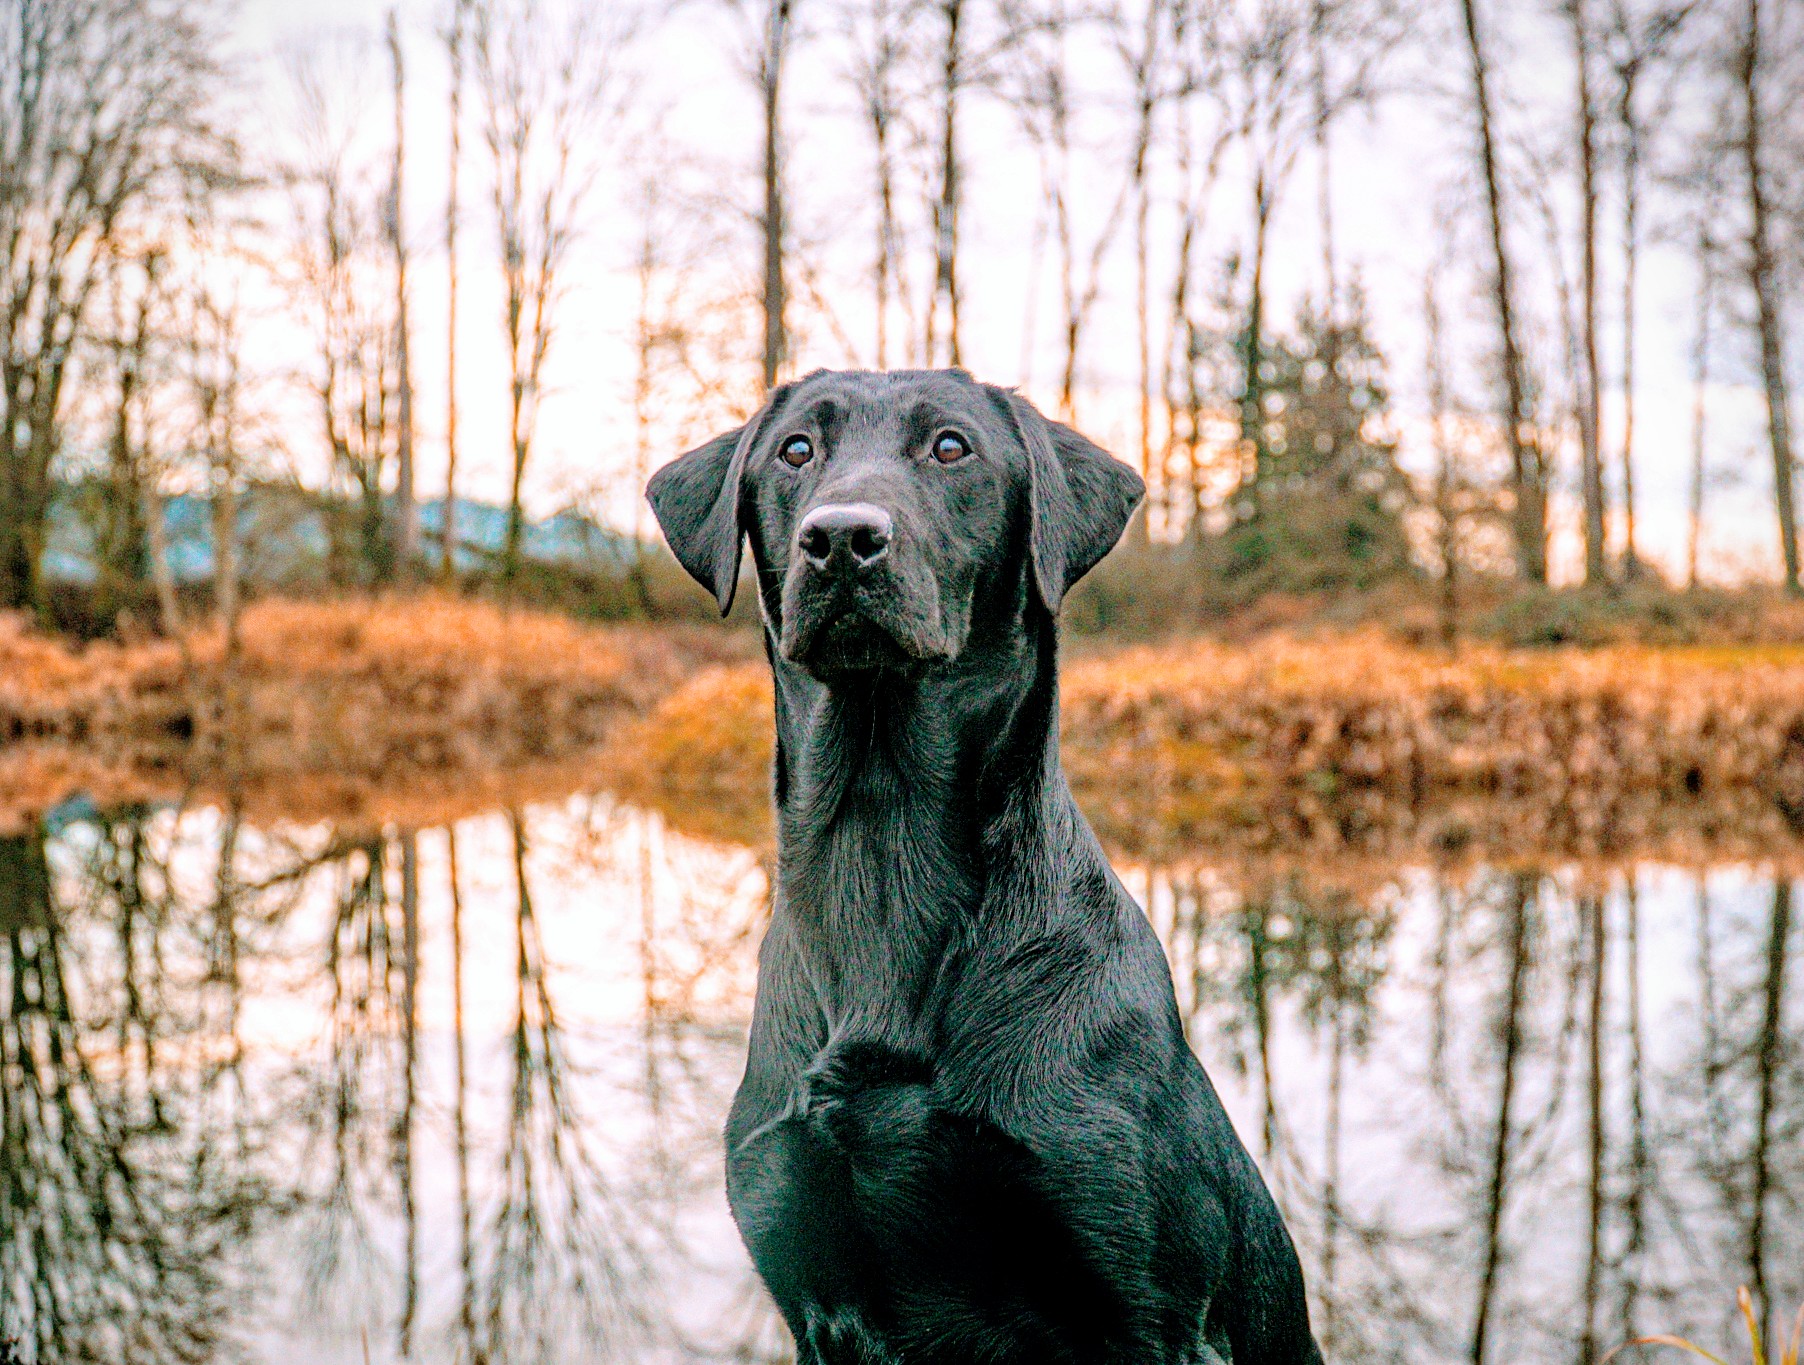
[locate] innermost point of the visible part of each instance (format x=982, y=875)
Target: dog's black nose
x=847, y=537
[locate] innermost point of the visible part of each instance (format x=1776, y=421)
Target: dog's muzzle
x=850, y=604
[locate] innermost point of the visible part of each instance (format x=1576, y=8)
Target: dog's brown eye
x=798, y=451
x=949, y=446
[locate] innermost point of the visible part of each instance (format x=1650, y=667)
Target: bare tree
x=1447, y=479
x=215, y=382
x=1280, y=102
x=1640, y=46
x=942, y=319
x=1156, y=82
x=1748, y=71
x=102, y=121
x=407, y=512
x=1043, y=98
x=1528, y=462
x=1046, y=100
x=344, y=287
x=878, y=34
x=1589, y=379
x=455, y=38
x=765, y=43
x=1708, y=267
x=126, y=364
x=779, y=33
x=1204, y=131
x=548, y=76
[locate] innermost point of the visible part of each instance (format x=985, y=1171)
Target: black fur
x=970, y=1128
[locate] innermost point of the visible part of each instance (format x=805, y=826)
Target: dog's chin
x=852, y=642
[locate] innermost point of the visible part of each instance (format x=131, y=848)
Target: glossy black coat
x=970, y=1127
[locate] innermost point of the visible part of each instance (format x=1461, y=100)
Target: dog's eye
x=949, y=446
x=798, y=451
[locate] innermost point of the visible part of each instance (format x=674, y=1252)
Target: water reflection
x=297, y=1092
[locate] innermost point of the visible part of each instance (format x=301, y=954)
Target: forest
x=1549, y=348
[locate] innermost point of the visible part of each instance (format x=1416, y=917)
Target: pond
x=285, y=1092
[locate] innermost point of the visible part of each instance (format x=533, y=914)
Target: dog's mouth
x=840, y=631
x=852, y=643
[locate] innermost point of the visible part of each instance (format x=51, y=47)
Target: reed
x=1757, y=1352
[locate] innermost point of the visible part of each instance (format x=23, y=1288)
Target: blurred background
x=1372, y=290
x=384, y=833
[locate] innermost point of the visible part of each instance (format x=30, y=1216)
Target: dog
x=970, y=1128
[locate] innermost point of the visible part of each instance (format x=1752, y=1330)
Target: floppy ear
x=1079, y=500
x=696, y=501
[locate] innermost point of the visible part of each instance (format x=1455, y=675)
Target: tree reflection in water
x=119, y=1188
x=270, y=1089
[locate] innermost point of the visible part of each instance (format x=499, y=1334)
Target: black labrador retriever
x=970, y=1129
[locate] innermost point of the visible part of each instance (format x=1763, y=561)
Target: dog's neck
x=900, y=800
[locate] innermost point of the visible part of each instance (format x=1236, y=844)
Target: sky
x=1401, y=202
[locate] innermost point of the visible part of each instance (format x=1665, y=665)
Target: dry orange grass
x=1327, y=745
x=1355, y=743
x=1364, y=712
x=350, y=692
x=702, y=756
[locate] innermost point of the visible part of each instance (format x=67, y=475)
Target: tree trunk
x=1147, y=109
x=1446, y=476
x=1527, y=465
x=407, y=513
x=1764, y=277
x=880, y=110
x=1700, y=383
x=771, y=80
x=1593, y=910
x=1252, y=396
x=1324, y=183
x=1640, y=1165
x=1521, y=897
x=410, y=1071
x=1589, y=380
x=448, y=513
x=123, y=548
x=944, y=305
x=1769, y=1056
x=516, y=512
x=460, y=1128
x=1631, y=259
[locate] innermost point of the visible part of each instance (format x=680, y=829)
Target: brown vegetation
x=1342, y=744
x=341, y=693
x=1353, y=743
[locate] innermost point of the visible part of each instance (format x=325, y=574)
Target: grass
x=1331, y=740
x=328, y=697
x=1352, y=741
x=1788, y=1355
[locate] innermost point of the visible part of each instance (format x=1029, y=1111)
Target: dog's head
x=882, y=507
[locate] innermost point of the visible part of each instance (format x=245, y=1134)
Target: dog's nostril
x=815, y=542
x=868, y=542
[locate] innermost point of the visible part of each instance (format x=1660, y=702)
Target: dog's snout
x=845, y=537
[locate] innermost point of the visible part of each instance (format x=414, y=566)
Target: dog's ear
x=1079, y=499
x=696, y=499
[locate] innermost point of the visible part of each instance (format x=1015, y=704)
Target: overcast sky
x=1400, y=202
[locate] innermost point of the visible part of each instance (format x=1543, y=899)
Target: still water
x=292, y=1093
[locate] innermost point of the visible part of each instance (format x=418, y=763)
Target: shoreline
x=1348, y=744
